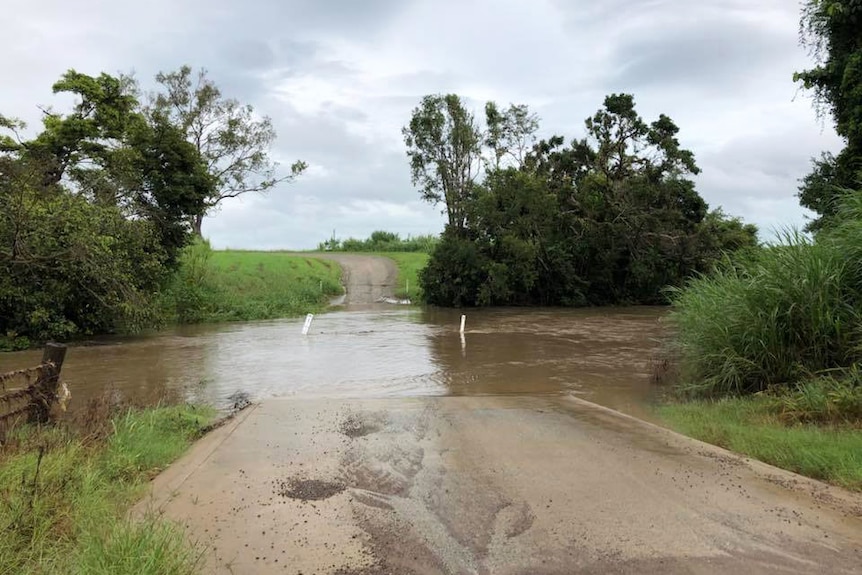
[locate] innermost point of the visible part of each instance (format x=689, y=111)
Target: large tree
x=234, y=141
x=832, y=31
x=444, y=144
x=93, y=212
x=108, y=151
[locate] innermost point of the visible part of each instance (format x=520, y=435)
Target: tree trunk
x=197, y=222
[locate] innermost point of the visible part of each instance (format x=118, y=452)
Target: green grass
x=409, y=265
x=64, y=498
x=230, y=285
x=264, y=285
x=775, y=316
x=755, y=427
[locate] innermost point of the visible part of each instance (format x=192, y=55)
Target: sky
x=339, y=79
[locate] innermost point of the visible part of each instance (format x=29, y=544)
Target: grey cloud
x=723, y=55
x=718, y=67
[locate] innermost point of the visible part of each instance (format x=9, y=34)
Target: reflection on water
x=600, y=354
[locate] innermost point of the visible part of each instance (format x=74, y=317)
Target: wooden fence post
x=45, y=389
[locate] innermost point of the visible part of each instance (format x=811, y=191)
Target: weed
x=65, y=495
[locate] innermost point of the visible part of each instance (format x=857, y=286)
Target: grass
x=409, y=265
x=782, y=314
x=752, y=426
x=264, y=285
x=778, y=315
x=231, y=285
x=65, y=496
x=773, y=343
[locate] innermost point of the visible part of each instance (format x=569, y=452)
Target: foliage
x=69, y=266
x=831, y=399
x=192, y=287
x=410, y=265
x=832, y=30
x=752, y=426
x=609, y=219
x=231, y=138
x=66, y=496
x=444, y=145
x=777, y=317
x=93, y=213
x=215, y=286
x=381, y=241
x=510, y=133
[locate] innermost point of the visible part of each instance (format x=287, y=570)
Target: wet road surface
x=492, y=485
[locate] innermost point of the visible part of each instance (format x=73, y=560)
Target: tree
x=233, y=140
x=109, y=152
x=510, y=133
x=444, y=145
x=93, y=213
x=832, y=31
x=611, y=218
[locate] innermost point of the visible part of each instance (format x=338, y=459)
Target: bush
x=191, y=286
x=381, y=241
x=782, y=315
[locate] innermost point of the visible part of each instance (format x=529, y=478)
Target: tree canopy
x=832, y=31
x=93, y=212
x=231, y=138
x=609, y=218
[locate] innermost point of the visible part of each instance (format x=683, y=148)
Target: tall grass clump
x=776, y=316
x=65, y=494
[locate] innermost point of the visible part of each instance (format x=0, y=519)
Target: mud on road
x=493, y=485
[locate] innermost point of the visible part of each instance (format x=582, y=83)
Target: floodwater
x=602, y=355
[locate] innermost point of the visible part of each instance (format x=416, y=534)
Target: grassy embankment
x=754, y=426
x=66, y=496
x=231, y=285
x=409, y=265
x=768, y=349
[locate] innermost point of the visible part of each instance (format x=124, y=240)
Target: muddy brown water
x=599, y=354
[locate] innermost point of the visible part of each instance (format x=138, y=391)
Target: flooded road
x=385, y=442
x=601, y=355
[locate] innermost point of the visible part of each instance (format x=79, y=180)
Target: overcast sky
x=340, y=77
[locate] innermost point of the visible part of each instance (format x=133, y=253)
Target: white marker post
x=307, y=325
x=463, y=322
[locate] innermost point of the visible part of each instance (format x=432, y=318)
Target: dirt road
x=367, y=279
x=493, y=485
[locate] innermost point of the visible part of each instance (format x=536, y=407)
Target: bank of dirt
x=494, y=485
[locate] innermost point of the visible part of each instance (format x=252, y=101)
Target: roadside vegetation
x=611, y=218
x=66, y=493
x=381, y=241
x=232, y=285
x=98, y=204
x=410, y=265
x=754, y=426
x=768, y=345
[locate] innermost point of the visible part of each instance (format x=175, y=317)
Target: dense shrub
x=782, y=315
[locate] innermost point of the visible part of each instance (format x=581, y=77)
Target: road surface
x=367, y=279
